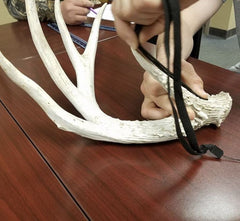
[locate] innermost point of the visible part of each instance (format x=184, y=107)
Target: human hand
x=149, y=13
x=156, y=104
x=75, y=11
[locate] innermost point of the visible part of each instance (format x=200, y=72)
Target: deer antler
x=97, y=125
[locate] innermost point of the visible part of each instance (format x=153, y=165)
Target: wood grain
x=28, y=188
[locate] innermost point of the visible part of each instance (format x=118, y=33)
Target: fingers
x=151, y=87
x=144, y=12
x=156, y=104
x=126, y=32
x=73, y=11
x=192, y=79
x=83, y=3
x=159, y=108
x=149, y=110
x=149, y=31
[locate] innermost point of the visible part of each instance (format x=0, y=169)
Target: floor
x=218, y=51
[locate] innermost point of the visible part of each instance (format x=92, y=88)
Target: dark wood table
x=49, y=174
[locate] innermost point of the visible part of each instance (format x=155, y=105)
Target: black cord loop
x=172, y=16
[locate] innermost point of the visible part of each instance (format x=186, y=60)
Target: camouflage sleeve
x=17, y=9
x=45, y=8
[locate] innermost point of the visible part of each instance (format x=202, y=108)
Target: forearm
x=17, y=9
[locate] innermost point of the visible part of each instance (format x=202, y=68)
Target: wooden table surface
x=49, y=174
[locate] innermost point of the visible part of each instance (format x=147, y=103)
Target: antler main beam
x=97, y=125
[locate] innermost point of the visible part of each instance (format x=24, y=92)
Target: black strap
x=172, y=16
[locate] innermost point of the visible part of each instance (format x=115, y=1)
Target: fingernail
x=205, y=94
x=202, y=93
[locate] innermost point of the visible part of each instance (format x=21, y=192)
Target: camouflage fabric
x=45, y=8
x=17, y=9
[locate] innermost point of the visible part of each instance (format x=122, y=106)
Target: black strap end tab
x=216, y=151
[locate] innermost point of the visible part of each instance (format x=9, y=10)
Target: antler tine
x=84, y=105
x=134, y=132
x=89, y=54
x=59, y=116
x=91, y=48
x=83, y=65
x=103, y=127
x=112, y=130
x=73, y=53
x=49, y=59
x=118, y=131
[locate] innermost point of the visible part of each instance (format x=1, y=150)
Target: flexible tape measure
x=79, y=41
x=102, y=27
